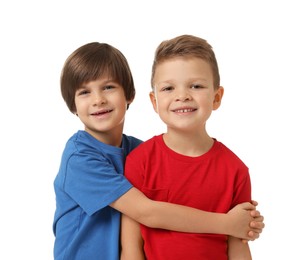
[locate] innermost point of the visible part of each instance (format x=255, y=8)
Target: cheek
x=82, y=102
x=161, y=106
x=117, y=99
x=206, y=100
x=78, y=106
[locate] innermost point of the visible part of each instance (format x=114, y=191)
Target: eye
x=196, y=86
x=82, y=92
x=108, y=87
x=167, y=88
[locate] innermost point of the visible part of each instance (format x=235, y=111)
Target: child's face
x=184, y=94
x=101, y=106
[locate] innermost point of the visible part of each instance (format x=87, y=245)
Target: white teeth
x=184, y=110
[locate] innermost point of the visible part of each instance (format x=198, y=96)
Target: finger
x=255, y=213
x=248, y=206
x=257, y=226
x=253, y=235
x=258, y=219
x=255, y=203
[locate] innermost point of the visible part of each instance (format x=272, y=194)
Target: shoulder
x=228, y=154
x=80, y=138
x=71, y=144
x=84, y=145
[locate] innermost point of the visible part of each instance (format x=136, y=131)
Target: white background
x=259, y=50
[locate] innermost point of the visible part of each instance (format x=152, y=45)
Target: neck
x=112, y=137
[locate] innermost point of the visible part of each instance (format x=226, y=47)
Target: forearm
x=132, y=252
x=176, y=217
x=185, y=219
x=237, y=250
x=131, y=240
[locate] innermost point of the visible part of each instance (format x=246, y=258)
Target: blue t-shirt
x=89, y=179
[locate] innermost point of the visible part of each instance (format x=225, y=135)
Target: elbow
x=148, y=217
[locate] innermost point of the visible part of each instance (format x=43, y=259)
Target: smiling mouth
x=99, y=113
x=185, y=110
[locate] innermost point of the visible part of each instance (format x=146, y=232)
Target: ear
x=218, y=98
x=153, y=100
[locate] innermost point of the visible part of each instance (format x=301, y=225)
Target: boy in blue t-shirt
x=91, y=191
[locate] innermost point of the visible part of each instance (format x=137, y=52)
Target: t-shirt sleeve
x=93, y=182
x=242, y=191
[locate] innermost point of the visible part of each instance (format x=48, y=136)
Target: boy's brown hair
x=187, y=46
x=90, y=62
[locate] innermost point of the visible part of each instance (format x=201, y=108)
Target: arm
x=132, y=243
x=238, y=250
x=181, y=218
x=131, y=240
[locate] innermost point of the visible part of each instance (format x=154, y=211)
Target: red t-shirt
x=215, y=181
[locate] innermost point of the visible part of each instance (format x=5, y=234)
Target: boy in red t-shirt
x=185, y=165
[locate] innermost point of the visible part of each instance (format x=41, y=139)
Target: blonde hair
x=187, y=46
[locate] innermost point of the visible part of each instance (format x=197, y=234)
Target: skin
x=184, y=97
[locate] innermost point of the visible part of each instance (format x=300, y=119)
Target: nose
x=183, y=95
x=99, y=99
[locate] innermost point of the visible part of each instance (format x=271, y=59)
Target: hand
x=241, y=219
x=257, y=224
